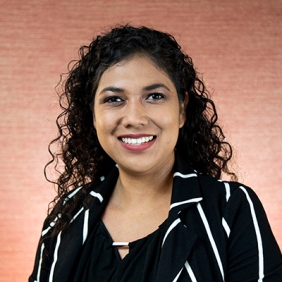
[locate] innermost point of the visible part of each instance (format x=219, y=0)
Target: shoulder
x=70, y=205
x=224, y=190
x=209, y=188
x=229, y=198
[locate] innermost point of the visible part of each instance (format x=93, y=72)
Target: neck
x=141, y=190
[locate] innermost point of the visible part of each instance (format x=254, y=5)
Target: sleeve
x=253, y=253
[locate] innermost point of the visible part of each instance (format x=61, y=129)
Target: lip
x=137, y=147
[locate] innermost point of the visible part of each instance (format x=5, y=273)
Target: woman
x=140, y=197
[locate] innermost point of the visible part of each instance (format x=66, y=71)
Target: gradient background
x=236, y=45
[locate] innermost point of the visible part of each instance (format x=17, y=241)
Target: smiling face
x=137, y=116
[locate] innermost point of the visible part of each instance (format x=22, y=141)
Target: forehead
x=138, y=69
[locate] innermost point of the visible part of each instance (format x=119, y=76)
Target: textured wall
x=237, y=45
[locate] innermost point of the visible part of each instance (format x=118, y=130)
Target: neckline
x=126, y=243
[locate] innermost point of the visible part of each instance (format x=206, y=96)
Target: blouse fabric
x=215, y=231
x=105, y=264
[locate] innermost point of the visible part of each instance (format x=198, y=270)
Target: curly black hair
x=80, y=155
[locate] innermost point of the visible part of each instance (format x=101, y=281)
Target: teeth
x=137, y=141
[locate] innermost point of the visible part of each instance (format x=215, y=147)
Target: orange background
x=237, y=45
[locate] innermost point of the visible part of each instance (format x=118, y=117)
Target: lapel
x=100, y=196
x=186, y=189
x=179, y=239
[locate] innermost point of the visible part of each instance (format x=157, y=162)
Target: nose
x=134, y=115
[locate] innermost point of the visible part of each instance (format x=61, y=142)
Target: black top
x=103, y=262
x=215, y=231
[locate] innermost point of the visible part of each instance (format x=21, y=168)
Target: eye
x=155, y=96
x=113, y=99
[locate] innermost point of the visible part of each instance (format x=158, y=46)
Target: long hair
x=80, y=155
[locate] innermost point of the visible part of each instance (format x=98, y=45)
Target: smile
x=137, y=141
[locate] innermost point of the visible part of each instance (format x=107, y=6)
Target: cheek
x=104, y=123
x=97, y=117
x=171, y=127
x=171, y=118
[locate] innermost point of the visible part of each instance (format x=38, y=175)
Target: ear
x=93, y=115
x=182, y=110
x=94, y=121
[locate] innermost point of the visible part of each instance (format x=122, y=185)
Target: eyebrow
x=146, y=88
x=155, y=86
x=112, y=89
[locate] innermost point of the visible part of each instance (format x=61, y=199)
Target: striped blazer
x=215, y=231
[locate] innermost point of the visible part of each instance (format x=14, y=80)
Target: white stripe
x=258, y=235
x=40, y=262
x=45, y=231
x=55, y=257
x=215, y=250
x=170, y=228
x=77, y=214
x=185, y=202
x=177, y=276
x=120, y=244
x=227, y=189
x=184, y=175
x=97, y=195
x=226, y=227
x=85, y=226
x=72, y=194
x=190, y=271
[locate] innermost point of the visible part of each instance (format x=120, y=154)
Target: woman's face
x=137, y=115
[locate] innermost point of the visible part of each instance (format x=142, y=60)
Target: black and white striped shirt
x=215, y=231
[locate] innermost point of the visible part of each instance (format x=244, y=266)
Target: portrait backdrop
x=235, y=45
